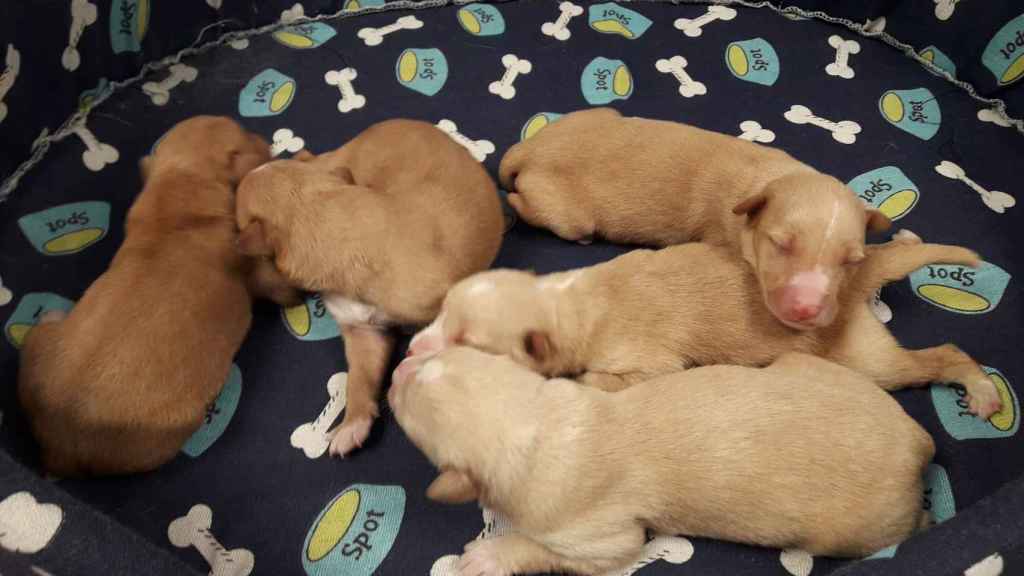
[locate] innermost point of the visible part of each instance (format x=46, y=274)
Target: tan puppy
x=802, y=454
x=648, y=313
x=634, y=180
x=122, y=382
x=383, y=227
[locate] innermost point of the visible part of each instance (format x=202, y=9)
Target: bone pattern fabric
x=254, y=492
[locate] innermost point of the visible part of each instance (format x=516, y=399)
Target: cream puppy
x=658, y=183
x=648, y=313
x=383, y=227
x=791, y=455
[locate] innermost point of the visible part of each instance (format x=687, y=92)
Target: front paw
x=481, y=558
x=983, y=399
x=351, y=434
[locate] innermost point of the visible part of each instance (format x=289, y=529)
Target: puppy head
x=804, y=236
x=468, y=411
x=214, y=145
x=498, y=311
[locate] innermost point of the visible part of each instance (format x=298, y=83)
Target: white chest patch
x=350, y=312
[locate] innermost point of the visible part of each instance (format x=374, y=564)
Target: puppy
x=648, y=313
x=640, y=181
x=382, y=227
x=784, y=456
x=122, y=382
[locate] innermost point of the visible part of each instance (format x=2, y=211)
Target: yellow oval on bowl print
x=129, y=22
x=67, y=228
x=914, y=111
x=304, y=36
x=888, y=189
x=424, y=70
x=310, y=320
x=753, y=60
x=1004, y=54
x=960, y=288
x=353, y=5
x=268, y=94
x=481, y=19
x=610, y=18
x=536, y=123
x=605, y=80
x=939, y=58
x=355, y=531
x=951, y=406
x=26, y=314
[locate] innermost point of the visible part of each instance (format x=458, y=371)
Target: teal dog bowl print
x=353, y=5
x=938, y=503
x=26, y=314
x=304, y=36
x=536, y=123
x=915, y=111
x=355, y=531
x=605, y=80
x=481, y=20
x=753, y=60
x=888, y=189
x=610, y=18
x=66, y=229
x=1004, y=55
x=951, y=406
x=218, y=415
x=937, y=57
x=424, y=70
x=268, y=94
x=959, y=288
x=310, y=320
x=129, y=21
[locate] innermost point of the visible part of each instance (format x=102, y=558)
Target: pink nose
x=799, y=303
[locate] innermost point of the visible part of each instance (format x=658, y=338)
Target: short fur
x=649, y=313
x=122, y=382
x=801, y=454
x=383, y=226
x=659, y=183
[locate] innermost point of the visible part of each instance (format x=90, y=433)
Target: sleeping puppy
x=382, y=227
x=121, y=383
x=788, y=456
x=648, y=313
x=641, y=181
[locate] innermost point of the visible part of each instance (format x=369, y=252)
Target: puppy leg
x=367, y=350
x=540, y=202
x=604, y=381
x=267, y=283
x=518, y=554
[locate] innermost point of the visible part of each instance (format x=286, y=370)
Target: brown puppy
x=788, y=456
x=382, y=227
x=122, y=382
x=648, y=313
x=635, y=180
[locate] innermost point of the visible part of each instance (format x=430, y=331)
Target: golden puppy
x=801, y=454
x=382, y=227
x=648, y=313
x=635, y=180
x=123, y=381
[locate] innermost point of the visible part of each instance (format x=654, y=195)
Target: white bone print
x=994, y=116
x=695, y=27
x=286, y=141
x=374, y=36
x=879, y=308
x=797, y=562
x=944, y=8
x=753, y=132
x=343, y=80
x=841, y=66
x=559, y=29
x=97, y=154
x=215, y=4
x=676, y=66
x=514, y=66
x=844, y=131
x=992, y=565
x=312, y=437
x=292, y=14
x=26, y=526
x=5, y=294
x=479, y=149
x=874, y=27
x=83, y=15
x=239, y=44
x=10, y=74
x=193, y=529
x=160, y=92
x=997, y=201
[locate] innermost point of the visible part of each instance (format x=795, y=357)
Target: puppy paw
x=905, y=236
x=350, y=435
x=481, y=559
x=983, y=399
x=51, y=316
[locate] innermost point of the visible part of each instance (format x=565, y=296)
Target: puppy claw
x=983, y=399
x=350, y=435
x=481, y=559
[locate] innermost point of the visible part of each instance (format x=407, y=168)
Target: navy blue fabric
x=266, y=496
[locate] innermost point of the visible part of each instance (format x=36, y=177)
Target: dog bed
x=909, y=101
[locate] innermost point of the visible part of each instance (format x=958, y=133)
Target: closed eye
x=782, y=242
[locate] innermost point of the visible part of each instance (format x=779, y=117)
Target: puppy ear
x=252, y=241
x=145, y=166
x=751, y=206
x=453, y=487
x=876, y=221
x=538, y=345
x=344, y=174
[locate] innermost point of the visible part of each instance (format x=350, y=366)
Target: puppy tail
x=895, y=260
x=510, y=165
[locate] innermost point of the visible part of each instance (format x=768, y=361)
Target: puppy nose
x=799, y=303
x=804, y=312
